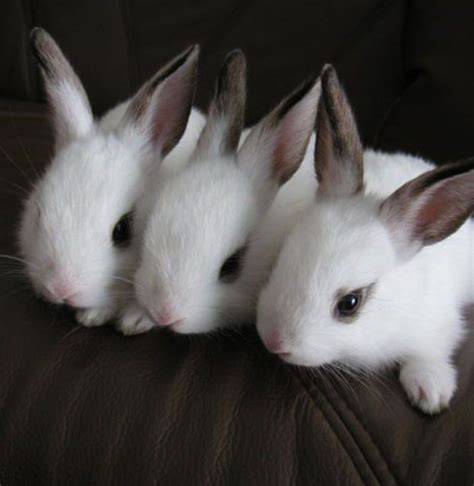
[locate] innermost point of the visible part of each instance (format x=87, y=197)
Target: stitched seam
x=293, y=475
x=362, y=29
x=356, y=417
x=385, y=118
x=226, y=24
x=356, y=442
x=28, y=19
x=333, y=428
x=130, y=45
x=227, y=447
x=410, y=80
x=405, y=33
x=374, y=16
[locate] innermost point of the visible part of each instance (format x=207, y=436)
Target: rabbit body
x=379, y=269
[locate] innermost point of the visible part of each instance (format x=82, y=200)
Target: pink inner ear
x=168, y=112
x=290, y=143
x=436, y=209
x=160, y=114
x=430, y=210
x=280, y=156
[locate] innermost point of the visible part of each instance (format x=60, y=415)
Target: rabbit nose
x=70, y=300
x=61, y=291
x=165, y=317
x=275, y=344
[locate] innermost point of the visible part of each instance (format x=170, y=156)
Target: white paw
x=96, y=316
x=429, y=385
x=134, y=321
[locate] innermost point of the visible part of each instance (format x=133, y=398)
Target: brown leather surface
x=87, y=406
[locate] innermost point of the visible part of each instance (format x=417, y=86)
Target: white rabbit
x=76, y=228
x=378, y=270
x=203, y=220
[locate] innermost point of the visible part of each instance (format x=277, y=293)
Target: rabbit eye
x=231, y=267
x=122, y=231
x=349, y=304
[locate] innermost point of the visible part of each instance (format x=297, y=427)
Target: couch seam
x=130, y=44
x=336, y=434
x=343, y=423
x=373, y=16
x=226, y=447
x=226, y=23
x=409, y=80
x=361, y=29
x=386, y=116
x=28, y=18
x=356, y=417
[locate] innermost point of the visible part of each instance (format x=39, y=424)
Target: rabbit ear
x=276, y=146
x=338, y=150
x=161, y=107
x=225, y=121
x=431, y=207
x=72, y=114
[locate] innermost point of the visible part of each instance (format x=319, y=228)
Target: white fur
x=73, y=107
x=200, y=216
x=68, y=219
x=414, y=313
x=98, y=173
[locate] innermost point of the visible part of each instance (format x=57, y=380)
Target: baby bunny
x=77, y=225
x=378, y=270
x=203, y=219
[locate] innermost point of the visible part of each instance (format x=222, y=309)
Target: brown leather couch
x=88, y=406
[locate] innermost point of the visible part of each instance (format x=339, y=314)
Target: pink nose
x=165, y=318
x=274, y=343
x=62, y=291
x=70, y=301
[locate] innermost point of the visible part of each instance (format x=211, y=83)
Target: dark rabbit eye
x=349, y=304
x=231, y=267
x=122, y=232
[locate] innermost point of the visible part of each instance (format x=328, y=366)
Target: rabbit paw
x=96, y=316
x=134, y=321
x=429, y=385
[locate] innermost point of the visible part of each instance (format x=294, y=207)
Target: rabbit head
x=77, y=226
x=326, y=299
x=203, y=219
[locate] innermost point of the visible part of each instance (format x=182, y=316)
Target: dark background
x=407, y=65
x=87, y=406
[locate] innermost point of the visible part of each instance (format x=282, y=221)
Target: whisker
x=15, y=292
x=123, y=279
x=363, y=377
x=20, y=142
x=23, y=191
x=72, y=331
x=17, y=259
x=15, y=272
x=17, y=167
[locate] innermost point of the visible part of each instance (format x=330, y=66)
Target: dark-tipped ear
x=338, y=151
x=72, y=114
x=431, y=207
x=225, y=121
x=276, y=146
x=161, y=107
